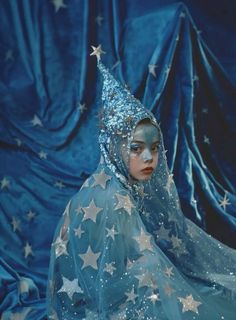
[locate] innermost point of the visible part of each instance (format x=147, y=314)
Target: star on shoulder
x=124, y=202
x=100, y=179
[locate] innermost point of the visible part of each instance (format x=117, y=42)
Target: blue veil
x=123, y=248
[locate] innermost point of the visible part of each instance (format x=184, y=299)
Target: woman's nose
x=146, y=155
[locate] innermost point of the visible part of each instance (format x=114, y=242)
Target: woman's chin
x=143, y=177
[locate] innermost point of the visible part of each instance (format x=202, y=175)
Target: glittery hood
x=121, y=110
x=120, y=115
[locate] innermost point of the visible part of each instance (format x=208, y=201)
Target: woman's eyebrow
x=143, y=142
x=137, y=141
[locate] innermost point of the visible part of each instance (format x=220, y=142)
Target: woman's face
x=143, y=156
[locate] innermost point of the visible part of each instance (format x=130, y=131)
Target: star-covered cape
x=124, y=250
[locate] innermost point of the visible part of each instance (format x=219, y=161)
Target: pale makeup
x=143, y=154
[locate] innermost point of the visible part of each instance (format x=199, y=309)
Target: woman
x=123, y=249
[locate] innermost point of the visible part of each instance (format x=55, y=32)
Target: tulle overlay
x=124, y=250
x=109, y=261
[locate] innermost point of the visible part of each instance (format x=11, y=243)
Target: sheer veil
x=123, y=248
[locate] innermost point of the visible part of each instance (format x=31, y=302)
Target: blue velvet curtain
x=179, y=61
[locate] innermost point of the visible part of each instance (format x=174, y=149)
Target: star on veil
x=70, y=287
x=163, y=233
x=124, y=202
x=90, y=258
x=100, y=179
x=189, y=304
x=144, y=241
x=145, y=279
x=91, y=211
x=154, y=297
x=131, y=296
x=60, y=246
x=112, y=232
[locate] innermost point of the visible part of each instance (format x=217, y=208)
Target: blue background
x=50, y=101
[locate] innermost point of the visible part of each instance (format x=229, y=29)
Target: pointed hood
x=121, y=110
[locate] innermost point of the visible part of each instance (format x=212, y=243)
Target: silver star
x=36, y=121
x=70, y=287
x=28, y=250
x=18, y=141
x=195, y=78
x=112, y=232
x=205, y=110
x=189, y=304
x=163, y=233
x=42, y=154
x=206, y=139
x=131, y=296
x=78, y=232
x=176, y=242
x=168, y=272
x=99, y=20
x=97, y=51
x=179, y=251
x=90, y=258
x=144, y=241
x=16, y=224
x=145, y=280
x=182, y=15
x=224, y=202
x=5, y=183
x=58, y=4
x=154, y=297
x=82, y=107
x=31, y=215
x=91, y=211
x=59, y=184
x=164, y=154
x=9, y=55
x=125, y=203
x=110, y=268
x=100, y=179
x=151, y=69
x=60, y=247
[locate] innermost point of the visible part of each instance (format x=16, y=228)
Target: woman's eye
x=135, y=148
x=155, y=148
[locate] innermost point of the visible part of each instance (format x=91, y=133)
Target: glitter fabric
x=123, y=248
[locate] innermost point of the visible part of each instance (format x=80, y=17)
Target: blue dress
x=123, y=248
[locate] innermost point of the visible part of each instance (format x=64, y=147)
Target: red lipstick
x=147, y=170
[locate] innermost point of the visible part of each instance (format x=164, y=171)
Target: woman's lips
x=147, y=170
